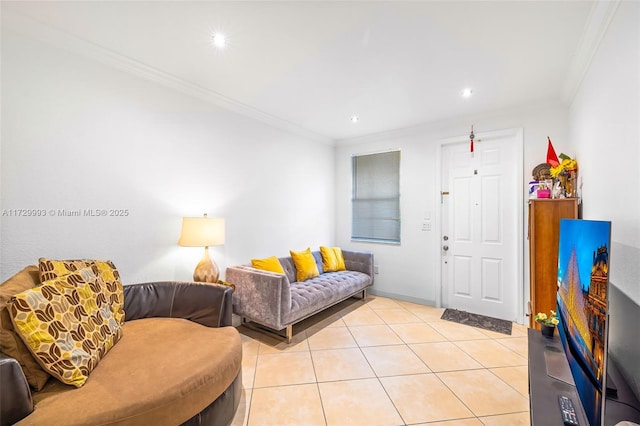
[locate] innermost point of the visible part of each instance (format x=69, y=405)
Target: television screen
x=583, y=277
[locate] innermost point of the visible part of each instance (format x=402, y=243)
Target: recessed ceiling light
x=354, y=118
x=466, y=93
x=219, y=40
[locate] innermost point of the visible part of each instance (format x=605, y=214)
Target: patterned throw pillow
x=65, y=328
x=110, y=285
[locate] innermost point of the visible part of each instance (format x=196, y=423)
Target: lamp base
x=207, y=271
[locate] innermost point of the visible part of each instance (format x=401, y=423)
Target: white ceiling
x=310, y=66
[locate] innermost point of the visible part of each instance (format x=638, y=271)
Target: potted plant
x=547, y=322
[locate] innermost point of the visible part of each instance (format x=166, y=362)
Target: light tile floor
x=384, y=362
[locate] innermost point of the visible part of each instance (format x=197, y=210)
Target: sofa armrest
x=206, y=304
x=360, y=261
x=260, y=296
x=15, y=395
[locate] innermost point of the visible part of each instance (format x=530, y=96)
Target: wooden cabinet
x=544, y=227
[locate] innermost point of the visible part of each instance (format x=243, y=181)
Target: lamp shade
x=201, y=232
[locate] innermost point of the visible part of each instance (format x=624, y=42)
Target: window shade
x=375, y=203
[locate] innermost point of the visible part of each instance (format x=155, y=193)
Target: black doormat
x=475, y=320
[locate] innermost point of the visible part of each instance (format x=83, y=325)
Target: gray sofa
x=278, y=302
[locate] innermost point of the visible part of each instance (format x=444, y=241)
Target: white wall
x=79, y=135
x=605, y=130
x=409, y=271
x=604, y=124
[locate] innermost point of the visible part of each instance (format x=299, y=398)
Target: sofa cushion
x=305, y=262
x=322, y=291
x=10, y=343
x=332, y=259
x=63, y=326
x=271, y=264
x=110, y=286
x=162, y=372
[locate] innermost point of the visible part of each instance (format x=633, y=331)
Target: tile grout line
x=315, y=374
x=376, y=374
x=248, y=403
x=444, y=384
x=483, y=367
x=508, y=384
x=379, y=378
x=458, y=398
x=410, y=349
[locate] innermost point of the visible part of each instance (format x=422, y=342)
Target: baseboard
x=418, y=300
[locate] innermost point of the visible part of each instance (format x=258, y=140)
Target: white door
x=481, y=227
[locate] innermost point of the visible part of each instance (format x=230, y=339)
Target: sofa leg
x=364, y=294
x=289, y=333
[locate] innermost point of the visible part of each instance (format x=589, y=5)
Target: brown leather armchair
x=206, y=304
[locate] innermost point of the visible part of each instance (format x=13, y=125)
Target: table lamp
x=203, y=232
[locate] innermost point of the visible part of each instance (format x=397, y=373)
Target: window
x=375, y=204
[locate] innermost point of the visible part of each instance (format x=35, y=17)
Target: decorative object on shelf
x=203, y=232
x=547, y=322
x=558, y=190
x=567, y=174
x=544, y=193
x=534, y=185
x=542, y=184
x=544, y=188
x=563, y=171
x=547, y=331
x=552, y=158
x=541, y=172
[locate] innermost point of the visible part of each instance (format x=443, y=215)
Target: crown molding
x=594, y=30
x=446, y=125
x=46, y=33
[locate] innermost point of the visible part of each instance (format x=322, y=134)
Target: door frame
x=518, y=134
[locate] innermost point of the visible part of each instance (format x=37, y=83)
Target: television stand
x=558, y=368
x=544, y=389
x=557, y=365
x=612, y=388
x=550, y=377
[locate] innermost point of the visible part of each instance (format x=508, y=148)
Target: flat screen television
x=582, y=308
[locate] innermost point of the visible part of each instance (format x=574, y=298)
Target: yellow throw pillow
x=64, y=327
x=329, y=261
x=306, y=267
x=340, y=259
x=332, y=259
x=110, y=285
x=10, y=342
x=271, y=264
